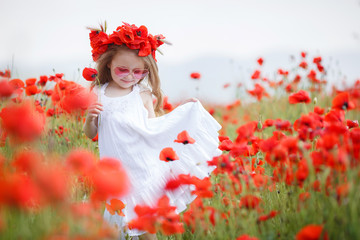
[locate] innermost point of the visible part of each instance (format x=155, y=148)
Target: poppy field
x=289, y=168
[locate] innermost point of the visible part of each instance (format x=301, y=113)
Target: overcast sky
x=51, y=33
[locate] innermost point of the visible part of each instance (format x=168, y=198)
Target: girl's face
x=126, y=60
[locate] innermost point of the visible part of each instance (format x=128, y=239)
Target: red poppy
x=195, y=75
x=317, y=60
x=246, y=237
x=282, y=72
x=168, y=155
x=342, y=102
x=43, y=80
x=161, y=217
x=352, y=124
x=72, y=97
x=226, y=145
x=319, y=110
x=226, y=85
x=22, y=121
x=258, y=92
x=303, y=65
x=115, y=206
x=303, y=54
x=27, y=161
x=89, y=74
x=268, y=216
x=301, y=96
x=310, y=232
x=32, y=90
x=203, y=187
x=297, y=78
x=249, y=201
x=30, y=81
x=53, y=180
x=17, y=83
x=184, y=138
x=80, y=161
x=166, y=105
x=260, y=61
x=6, y=89
x=109, y=179
x=255, y=75
x=19, y=190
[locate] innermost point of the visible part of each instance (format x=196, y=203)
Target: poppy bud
x=315, y=100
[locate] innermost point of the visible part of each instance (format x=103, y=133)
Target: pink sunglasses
x=138, y=73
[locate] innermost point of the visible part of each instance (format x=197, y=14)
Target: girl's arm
x=91, y=123
x=148, y=103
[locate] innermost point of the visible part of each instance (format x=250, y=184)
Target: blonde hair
x=153, y=78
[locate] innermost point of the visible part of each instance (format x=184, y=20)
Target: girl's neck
x=114, y=90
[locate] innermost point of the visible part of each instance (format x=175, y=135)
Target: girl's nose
x=130, y=76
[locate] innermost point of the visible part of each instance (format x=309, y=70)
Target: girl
x=134, y=131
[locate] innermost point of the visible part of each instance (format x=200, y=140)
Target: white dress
x=126, y=133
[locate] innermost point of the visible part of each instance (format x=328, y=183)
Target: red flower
x=89, y=74
x=255, y=75
x=115, y=206
x=168, y=155
x=342, y=102
x=268, y=216
x=203, y=187
x=109, y=179
x=319, y=110
x=80, y=161
x=27, y=161
x=303, y=65
x=301, y=96
x=250, y=201
x=303, y=54
x=195, y=75
x=184, y=138
x=22, y=121
x=166, y=105
x=258, y=92
x=162, y=217
x=246, y=237
x=317, y=60
x=72, y=97
x=226, y=85
x=43, y=80
x=310, y=232
x=260, y=61
x=32, y=90
x=30, y=81
x=6, y=89
x=17, y=83
x=352, y=124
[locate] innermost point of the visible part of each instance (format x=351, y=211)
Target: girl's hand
x=94, y=111
x=189, y=100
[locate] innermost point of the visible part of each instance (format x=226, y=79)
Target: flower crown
x=132, y=36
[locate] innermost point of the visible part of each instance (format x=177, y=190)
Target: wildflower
x=168, y=155
x=89, y=74
x=195, y=75
x=184, y=138
x=301, y=96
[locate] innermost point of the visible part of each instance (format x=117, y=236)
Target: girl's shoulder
x=143, y=88
x=96, y=89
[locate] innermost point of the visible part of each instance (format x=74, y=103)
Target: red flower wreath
x=132, y=36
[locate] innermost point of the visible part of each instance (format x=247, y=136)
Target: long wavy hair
x=153, y=78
